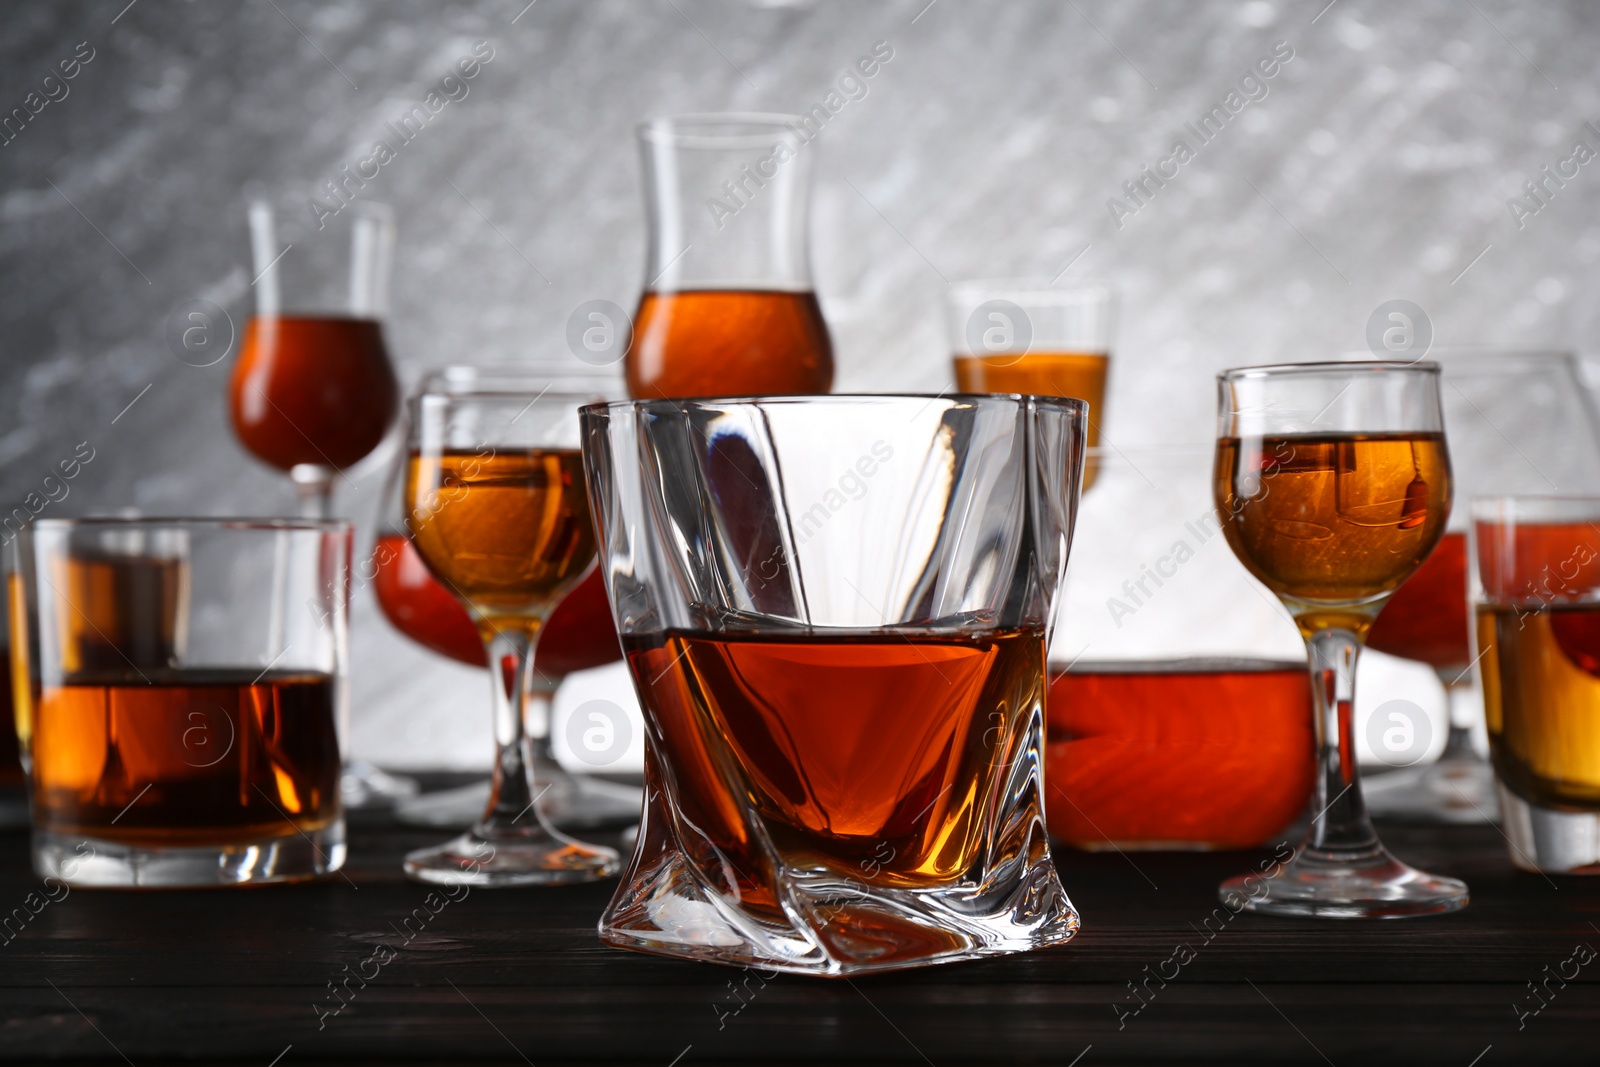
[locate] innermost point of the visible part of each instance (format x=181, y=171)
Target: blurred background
x=1385, y=159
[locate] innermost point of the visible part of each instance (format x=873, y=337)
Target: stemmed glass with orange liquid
x=1022, y=335
x=313, y=391
x=728, y=307
x=1520, y=421
x=1333, y=484
x=579, y=635
x=497, y=510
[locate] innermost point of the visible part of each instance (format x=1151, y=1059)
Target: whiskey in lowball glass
x=186, y=696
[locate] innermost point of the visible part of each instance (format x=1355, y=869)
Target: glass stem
x=314, y=484
x=1464, y=711
x=1339, y=821
x=512, y=794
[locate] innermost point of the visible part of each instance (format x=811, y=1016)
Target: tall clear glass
x=496, y=508
x=1518, y=421
x=1333, y=482
x=1536, y=595
x=835, y=611
x=313, y=390
x=185, y=683
x=728, y=307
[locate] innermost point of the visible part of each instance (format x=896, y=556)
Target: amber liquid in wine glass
x=1426, y=619
x=902, y=812
x=315, y=390
x=747, y=342
x=509, y=531
x=578, y=635
x=1341, y=518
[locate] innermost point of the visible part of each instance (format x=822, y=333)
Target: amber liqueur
x=508, y=530
x=177, y=757
x=1540, y=670
x=315, y=389
x=1333, y=522
x=728, y=342
x=876, y=756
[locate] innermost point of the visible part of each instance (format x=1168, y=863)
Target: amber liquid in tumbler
x=313, y=389
x=506, y=530
x=874, y=755
x=1333, y=523
x=728, y=342
x=186, y=756
x=1541, y=693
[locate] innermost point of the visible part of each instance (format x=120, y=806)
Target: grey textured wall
x=1378, y=165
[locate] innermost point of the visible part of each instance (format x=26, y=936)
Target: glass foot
x=537, y=858
x=1341, y=885
x=1452, y=790
x=567, y=801
x=363, y=786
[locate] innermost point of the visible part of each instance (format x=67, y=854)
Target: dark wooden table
x=518, y=976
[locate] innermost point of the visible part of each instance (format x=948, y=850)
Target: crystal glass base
x=833, y=926
x=101, y=863
x=1451, y=790
x=1548, y=840
x=1342, y=885
x=538, y=858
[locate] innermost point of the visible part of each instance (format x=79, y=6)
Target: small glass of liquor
x=1333, y=484
x=835, y=610
x=1025, y=335
x=728, y=307
x=579, y=635
x=1536, y=603
x=183, y=685
x=313, y=391
x=497, y=510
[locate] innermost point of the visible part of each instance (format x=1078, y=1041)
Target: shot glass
x=1536, y=615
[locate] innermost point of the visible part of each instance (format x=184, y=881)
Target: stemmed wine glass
x=313, y=391
x=497, y=509
x=1519, y=421
x=579, y=635
x=1333, y=484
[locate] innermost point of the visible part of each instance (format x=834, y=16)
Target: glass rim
x=226, y=522
x=1285, y=370
x=468, y=374
x=1038, y=288
x=717, y=129
x=1071, y=404
x=1487, y=507
x=1435, y=353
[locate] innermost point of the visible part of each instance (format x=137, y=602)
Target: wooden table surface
x=518, y=976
